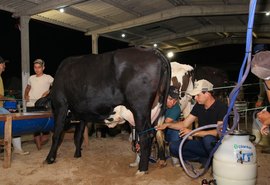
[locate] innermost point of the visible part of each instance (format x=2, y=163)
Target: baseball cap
x=201, y=86
x=39, y=61
x=174, y=92
x=260, y=65
x=2, y=60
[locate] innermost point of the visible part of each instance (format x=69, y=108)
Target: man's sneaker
x=136, y=162
x=21, y=152
x=175, y=162
x=161, y=163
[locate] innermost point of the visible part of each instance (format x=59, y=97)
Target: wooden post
x=7, y=142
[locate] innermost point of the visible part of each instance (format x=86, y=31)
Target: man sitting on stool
x=208, y=111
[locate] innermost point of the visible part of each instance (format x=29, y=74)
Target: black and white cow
x=91, y=86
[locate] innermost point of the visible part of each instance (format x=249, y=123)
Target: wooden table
x=8, y=118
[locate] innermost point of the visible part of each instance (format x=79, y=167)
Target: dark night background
x=54, y=43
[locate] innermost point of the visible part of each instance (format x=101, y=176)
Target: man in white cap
x=207, y=110
x=38, y=86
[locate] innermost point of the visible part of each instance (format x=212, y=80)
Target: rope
x=145, y=131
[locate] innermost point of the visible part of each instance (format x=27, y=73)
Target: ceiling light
x=123, y=35
x=155, y=45
x=62, y=10
x=267, y=13
x=170, y=54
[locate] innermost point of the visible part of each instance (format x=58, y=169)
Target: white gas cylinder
x=234, y=161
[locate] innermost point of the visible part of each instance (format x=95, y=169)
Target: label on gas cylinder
x=243, y=153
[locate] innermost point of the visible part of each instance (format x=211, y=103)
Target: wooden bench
x=8, y=119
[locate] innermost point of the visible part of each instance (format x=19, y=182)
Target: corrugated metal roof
x=177, y=25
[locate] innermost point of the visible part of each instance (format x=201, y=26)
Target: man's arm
x=212, y=132
x=267, y=82
x=261, y=95
x=26, y=92
x=178, y=125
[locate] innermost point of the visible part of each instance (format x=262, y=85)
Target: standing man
x=207, y=110
x=16, y=141
x=262, y=98
x=37, y=87
x=260, y=66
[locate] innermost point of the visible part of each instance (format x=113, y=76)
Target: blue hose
x=244, y=70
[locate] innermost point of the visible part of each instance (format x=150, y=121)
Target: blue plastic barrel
x=29, y=126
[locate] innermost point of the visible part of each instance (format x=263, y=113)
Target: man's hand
x=265, y=130
x=259, y=103
x=264, y=117
x=161, y=127
x=184, y=131
x=137, y=147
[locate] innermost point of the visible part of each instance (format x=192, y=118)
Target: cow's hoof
x=50, y=160
x=77, y=155
x=140, y=173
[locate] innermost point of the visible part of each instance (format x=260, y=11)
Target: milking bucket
x=234, y=161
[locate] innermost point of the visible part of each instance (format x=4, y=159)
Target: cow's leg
x=59, y=115
x=145, y=149
x=144, y=139
x=78, y=138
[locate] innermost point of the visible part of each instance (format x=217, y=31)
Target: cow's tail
x=164, y=90
x=160, y=134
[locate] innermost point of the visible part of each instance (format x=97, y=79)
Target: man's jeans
x=194, y=150
x=4, y=111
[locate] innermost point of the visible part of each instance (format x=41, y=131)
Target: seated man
x=172, y=114
x=208, y=111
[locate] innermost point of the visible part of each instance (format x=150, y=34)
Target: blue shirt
x=173, y=113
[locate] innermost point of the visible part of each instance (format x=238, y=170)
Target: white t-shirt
x=39, y=85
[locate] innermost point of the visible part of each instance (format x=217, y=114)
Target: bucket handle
x=252, y=137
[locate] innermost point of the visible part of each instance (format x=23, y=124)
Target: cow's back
x=94, y=84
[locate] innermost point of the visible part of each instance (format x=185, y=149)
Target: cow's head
x=115, y=118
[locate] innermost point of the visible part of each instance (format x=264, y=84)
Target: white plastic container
x=234, y=162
